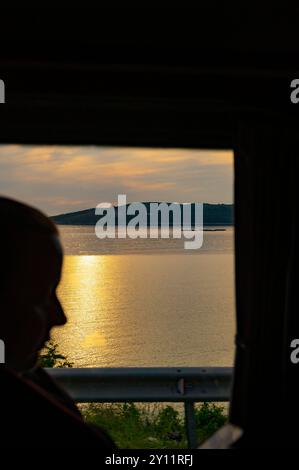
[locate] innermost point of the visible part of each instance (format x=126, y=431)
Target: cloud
x=62, y=178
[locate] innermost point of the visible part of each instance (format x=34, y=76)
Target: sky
x=60, y=179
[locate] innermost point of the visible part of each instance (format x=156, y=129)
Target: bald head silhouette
x=29, y=275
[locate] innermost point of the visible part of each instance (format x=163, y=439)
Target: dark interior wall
x=153, y=77
x=265, y=394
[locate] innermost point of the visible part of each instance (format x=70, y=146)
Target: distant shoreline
x=214, y=215
x=213, y=229
x=68, y=224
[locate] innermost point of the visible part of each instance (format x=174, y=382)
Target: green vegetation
x=152, y=426
x=142, y=426
x=51, y=357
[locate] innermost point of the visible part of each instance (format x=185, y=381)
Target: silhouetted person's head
x=30, y=270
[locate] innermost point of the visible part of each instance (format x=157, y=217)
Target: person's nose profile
x=58, y=317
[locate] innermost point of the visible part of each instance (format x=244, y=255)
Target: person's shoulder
x=42, y=379
x=30, y=416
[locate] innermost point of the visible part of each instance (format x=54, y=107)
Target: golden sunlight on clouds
x=149, y=185
x=61, y=179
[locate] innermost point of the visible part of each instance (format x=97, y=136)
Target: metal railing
x=149, y=384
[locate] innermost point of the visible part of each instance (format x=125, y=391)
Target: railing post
x=190, y=424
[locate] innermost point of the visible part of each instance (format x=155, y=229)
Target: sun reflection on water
x=158, y=310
